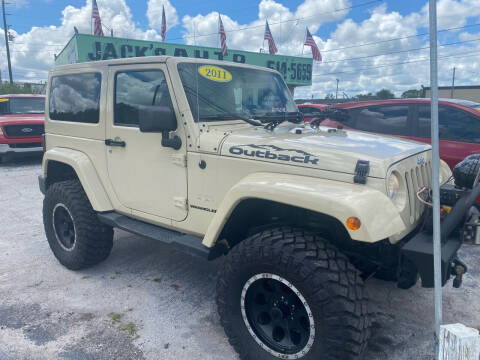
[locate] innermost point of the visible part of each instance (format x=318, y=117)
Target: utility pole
x=5, y=28
x=336, y=94
x=453, y=84
x=437, y=246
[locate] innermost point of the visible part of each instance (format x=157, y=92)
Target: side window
x=137, y=89
x=385, y=119
x=310, y=111
x=453, y=124
x=75, y=98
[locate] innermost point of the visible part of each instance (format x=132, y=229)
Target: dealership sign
x=82, y=47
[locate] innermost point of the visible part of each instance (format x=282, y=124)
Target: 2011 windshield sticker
x=215, y=73
x=270, y=152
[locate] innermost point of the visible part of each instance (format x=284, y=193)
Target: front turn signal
x=353, y=223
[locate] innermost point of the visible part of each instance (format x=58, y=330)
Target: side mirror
x=156, y=119
x=159, y=119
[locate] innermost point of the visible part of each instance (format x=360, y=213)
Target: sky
x=366, y=44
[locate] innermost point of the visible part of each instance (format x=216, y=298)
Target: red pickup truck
x=21, y=124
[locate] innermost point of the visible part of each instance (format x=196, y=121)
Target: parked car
x=21, y=124
x=459, y=123
x=310, y=111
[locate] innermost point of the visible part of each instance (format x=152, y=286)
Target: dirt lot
x=147, y=301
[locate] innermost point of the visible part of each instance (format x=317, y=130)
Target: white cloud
x=154, y=14
x=33, y=51
x=452, y=13
x=288, y=27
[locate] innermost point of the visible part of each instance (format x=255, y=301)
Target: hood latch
x=361, y=172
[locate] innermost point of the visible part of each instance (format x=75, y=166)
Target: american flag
x=309, y=41
x=164, y=24
x=268, y=36
x=97, y=28
x=223, y=36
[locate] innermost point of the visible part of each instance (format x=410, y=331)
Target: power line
x=280, y=22
x=399, y=51
x=393, y=64
x=399, y=38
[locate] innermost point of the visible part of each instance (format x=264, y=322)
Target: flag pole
x=219, y=45
x=304, y=39
x=91, y=20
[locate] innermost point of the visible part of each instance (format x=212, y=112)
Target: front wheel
x=288, y=294
x=74, y=233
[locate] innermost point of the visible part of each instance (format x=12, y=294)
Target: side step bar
x=186, y=243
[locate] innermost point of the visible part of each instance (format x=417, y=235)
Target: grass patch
x=131, y=329
x=115, y=317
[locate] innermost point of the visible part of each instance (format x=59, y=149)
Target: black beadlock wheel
x=288, y=294
x=74, y=233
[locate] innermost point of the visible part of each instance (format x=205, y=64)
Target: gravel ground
x=147, y=301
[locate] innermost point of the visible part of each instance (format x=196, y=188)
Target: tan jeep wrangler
x=214, y=158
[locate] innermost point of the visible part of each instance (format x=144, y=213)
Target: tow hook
x=458, y=269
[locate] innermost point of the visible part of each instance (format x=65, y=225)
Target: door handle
x=110, y=142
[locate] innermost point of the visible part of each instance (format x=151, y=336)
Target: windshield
x=22, y=105
x=218, y=93
x=468, y=103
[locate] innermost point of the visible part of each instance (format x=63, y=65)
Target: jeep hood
x=323, y=148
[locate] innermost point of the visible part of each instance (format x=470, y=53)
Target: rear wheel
x=74, y=233
x=288, y=294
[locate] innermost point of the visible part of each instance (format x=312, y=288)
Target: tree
x=7, y=88
x=329, y=97
x=413, y=93
x=364, y=97
x=384, y=94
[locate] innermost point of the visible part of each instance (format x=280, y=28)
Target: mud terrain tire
x=75, y=235
x=324, y=277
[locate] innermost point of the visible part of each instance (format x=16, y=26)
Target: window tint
x=387, y=119
x=75, y=98
x=135, y=89
x=453, y=124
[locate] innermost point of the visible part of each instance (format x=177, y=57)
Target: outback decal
x=270, y=152
x=215, y=73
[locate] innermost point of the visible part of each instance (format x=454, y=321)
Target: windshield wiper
x=274, y=119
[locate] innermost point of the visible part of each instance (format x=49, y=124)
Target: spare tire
x=465, y=172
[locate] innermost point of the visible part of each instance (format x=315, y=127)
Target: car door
x=459, y=131
x=147, y=177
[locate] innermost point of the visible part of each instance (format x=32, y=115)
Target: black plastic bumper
x=41, y=184
x=419, y=249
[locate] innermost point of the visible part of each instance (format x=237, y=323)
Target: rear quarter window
x=453, y=124
x=75, y=98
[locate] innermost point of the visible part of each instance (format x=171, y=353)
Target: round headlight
x=396, y=190
x=393, y=185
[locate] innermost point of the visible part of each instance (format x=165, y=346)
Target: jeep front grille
x=416, y=178
x=23, y=131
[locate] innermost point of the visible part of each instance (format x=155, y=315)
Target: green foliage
x=413, y=93
x=329, y=96
x=7, y=88
x=385, y=94
x=379, y=95
x=363, y=97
